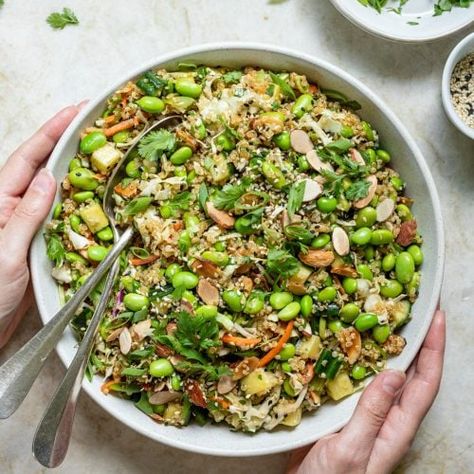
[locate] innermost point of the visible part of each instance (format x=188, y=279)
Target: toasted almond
x=226, y=384
x=284, y=218
x=300, y=141
x=221, y=218
x=340, y=241
x=316, y=163
x=205, y=268
x=370, y=194
x=114, y=335
x=243, y=368
x=351, y=343
x=312, y=190
x=317, y=258
x=385, y=209
x=125, y=341
x=356, y=157
x=208, y=292
x=141, y=330
x=407, y=233
x=160, y=398
x=195, y=393
x=344, y=270
x=247, y=284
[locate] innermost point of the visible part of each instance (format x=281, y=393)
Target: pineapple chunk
x=94, y=217
x=177, y=414
x=105, y=158
x=293, y=419
x=309, y=348
x=340, y=387
x=258, y=382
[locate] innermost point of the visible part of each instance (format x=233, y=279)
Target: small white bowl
x=407, y=158
x=465, y=47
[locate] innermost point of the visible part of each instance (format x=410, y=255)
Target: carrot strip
x=240, y=341
x=222, y=402
x=127, y=191
x=143, y=261
x=125, y=125
x=105, y=387
x=271, y=354
x=110, y=120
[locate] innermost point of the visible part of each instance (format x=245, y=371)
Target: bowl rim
x=36, y=256
x=454, y=57
x=380, y=33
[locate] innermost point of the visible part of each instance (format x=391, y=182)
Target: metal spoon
x=19, y=372
x=51, y=440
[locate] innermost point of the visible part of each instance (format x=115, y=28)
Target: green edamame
x=132, y=169
x=207, y=311
x=161, y=368
x=288, y=351
x=391, y=289
x=290, y=311
x=320, y=241
x=381, y=332
x=365, y=272
x=150, y=104
x=303, y=104
x=359, y=372
x=326, y=204
x=105, y=234
x=188, y=88
x=255, y=303
x=416, y=253
x=306, y=304
x=171, y=271
x=185, y=279
x=135, y=302
x=83, y=196
x=58, y=208
x=327, y=294
x=349, y=312
x=280, y=299
x=366, y=217
x=282, y=141
x=92, y=141
x=350, y=285
x=404, y=267
x=234, y=300
x=97, y=253
x=219, y=258
x=181, y=155
x=388, y=262
x=83, y=178
x=361, y=236
x=381, y=237
x=366, y=321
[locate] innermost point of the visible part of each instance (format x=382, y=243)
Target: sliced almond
x=316, y=163
x=114, y=335
x=205, y=268
x=312, y=190
x=317, y=258
x=125, y=341
x=385, y=209
x=226, y=384
x=208, y=292
x=284, y=218
x=141, y=330
x=344, y=270
x=160, y=398
x=300, y=141
x=243, y=368
x=340, y=241
x=221, y=218
x=351, y=343
x=356, y=157
x=370, y=194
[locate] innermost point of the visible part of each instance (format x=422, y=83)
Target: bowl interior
x=219, y=440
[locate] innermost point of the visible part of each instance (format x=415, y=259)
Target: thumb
x=28, y=215
x=372, y=410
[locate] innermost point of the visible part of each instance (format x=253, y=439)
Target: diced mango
x=258, y=382
x=340, y=387
x=309, y=348
x=94, y=217
x=105, y=158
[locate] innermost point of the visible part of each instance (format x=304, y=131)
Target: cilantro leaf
x=55, y=250
x=176, y=345
x=280, y=263
x=209, y=371
x=283, y=85
x=151, y=84
x=299, y=233
x=59, y=21
x=357, y=190
x=232, y=77
x=229, y=194
x=179, y=203
x=154, y=144
x=295, y=197
x=203, y=196
x=196, y=332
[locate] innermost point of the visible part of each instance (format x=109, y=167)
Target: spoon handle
x=53, y=434
x=19, y=372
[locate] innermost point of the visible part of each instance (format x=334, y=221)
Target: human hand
x=386, y=419
x=26, y=196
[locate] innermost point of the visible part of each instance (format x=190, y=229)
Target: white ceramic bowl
x=401, y=27
x=219, y=440
x=463, y=48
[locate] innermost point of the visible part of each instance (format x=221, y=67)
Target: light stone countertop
x=43, y=70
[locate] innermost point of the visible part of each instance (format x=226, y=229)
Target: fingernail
x=82, y=104
x=42, y=181
x=393, y=381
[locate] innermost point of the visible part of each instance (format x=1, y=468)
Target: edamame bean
x=404, y=267
x=175, y=383
x=188, y=88
x=57, y=210
x=83, y=196
x=303, y=104
x=280, y=299
x=129, y=284
x=359, y=372
x=370, y=156
x=287, y=387
x=187, y=280
x=74, y=257
x=417, y=254
x=199, y=131
x=366, y=217
x=121, y=137
x=234, y=300
x=288, y=351
x=219, y=258
x=368, y=131
x=286, y=367
x=132, y=170
x=369, y=253
x=97, y=253
x=388, y=262
x=346, y=131
x=412, y=287
x=105, y=234
x=306, y=304
x=171, y=271
x=365, y=272
x=290, y=311
x=327, y=295
x=326, y=204
x=161, y=368
x=180, y=171
x=191, y=222
x=320, y=241
x=349, y=312
x=335, y=326
x=342, y=204
x=190, y=297
x=366, y=321
x=135, y=302
x=380, y=333
x=75, y=163
x=181, y=155
x=273, y=174
x=381, y=237
x=165, y=211
x=184, y=241
x=404, y=212
x=391, y=289
x=282, y=141
x=220, y=246
x=151, y=104
x=383, y=155
x=83, y=178
x=207, y=311
x=224, y=142
x=397, y=183
x=361, y=236
x=303, y=164
x=75, y=223
x=255, y=303
x=92, y=142
x=350, y=285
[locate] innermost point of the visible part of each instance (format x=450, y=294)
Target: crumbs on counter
x=462, y=89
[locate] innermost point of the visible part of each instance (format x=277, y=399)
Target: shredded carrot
x=222, y=402
x=240, y=341
x=271, y=354
x=143, y=261
x=110, y=119
x=105, y=387
x=125, y=125
x=313, y=89
x=127, y=191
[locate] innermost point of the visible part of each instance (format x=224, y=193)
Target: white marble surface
x=42, y=70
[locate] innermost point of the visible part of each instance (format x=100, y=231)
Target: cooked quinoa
x=275, y=255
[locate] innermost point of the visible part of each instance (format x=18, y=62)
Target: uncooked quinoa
x=275, y=258
x=462, y=89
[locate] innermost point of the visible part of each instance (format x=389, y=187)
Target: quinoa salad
x=275, y=254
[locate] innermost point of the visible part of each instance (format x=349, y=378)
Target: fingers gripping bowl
x=217, y=439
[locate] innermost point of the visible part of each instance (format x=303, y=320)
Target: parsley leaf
x=295, y=197
x=357, y=190
x=229, y=194
x=196, y=332
x=280, y=263
x=59, y=21
x=154, y=144
x=55, y=250
x=283, y=85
